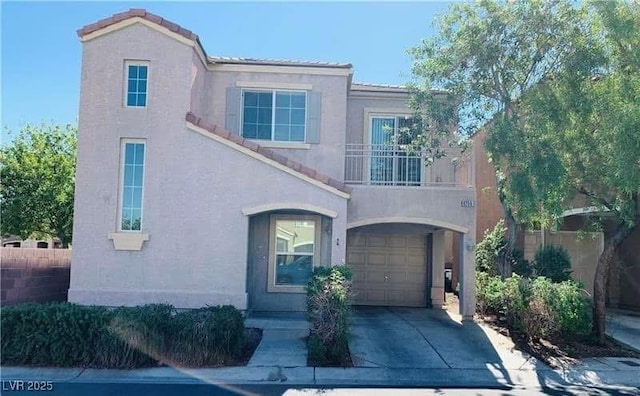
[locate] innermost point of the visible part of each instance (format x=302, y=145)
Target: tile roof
x=276, y=62
x=144, y=14
x=267, y=153
x=132, y=13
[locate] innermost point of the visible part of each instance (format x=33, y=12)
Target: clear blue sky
x=41, y=54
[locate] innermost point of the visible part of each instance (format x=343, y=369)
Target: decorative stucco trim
x=128, y=240
x=583, y=210
x=273, y=85
x=410, y=220
x=268, y=161
x=179, y=298
x=289, y=205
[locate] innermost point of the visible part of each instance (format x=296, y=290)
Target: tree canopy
x=37, y=189
x=486, y=55
x=579, y=137
x=556, y=87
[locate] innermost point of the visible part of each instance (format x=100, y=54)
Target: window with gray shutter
x=232, y=118
x=314, y=107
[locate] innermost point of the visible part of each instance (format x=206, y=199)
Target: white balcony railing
x=393, y=165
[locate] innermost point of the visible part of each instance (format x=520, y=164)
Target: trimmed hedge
x=70, y=335
x=329, y=309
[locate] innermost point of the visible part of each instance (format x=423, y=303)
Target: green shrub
x=210, y=336
x=488, y=250
x=57, y=334
x=536, y=308
x=329, y=310
x=135, y=336
x=489, y=293
x=517, y=295
x=553, y=262
x=521, y=266
x=73, y=335
x=572, y=309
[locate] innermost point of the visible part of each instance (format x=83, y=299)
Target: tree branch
x=597, y=198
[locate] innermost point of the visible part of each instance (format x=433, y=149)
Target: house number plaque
x=467, y=203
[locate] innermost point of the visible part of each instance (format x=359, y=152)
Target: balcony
x=393, y=165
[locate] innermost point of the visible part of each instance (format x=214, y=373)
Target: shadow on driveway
x=419, y=338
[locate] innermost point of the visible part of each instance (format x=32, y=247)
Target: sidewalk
x=592, y=374
x=280, y=359
x=624, y=328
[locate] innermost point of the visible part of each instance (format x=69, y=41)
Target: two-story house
x=205, y=180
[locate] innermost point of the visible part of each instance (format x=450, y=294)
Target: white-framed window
x=131, y=184
x=294, y=251
x=136, y=83
x=274, y=115
x=389, y=162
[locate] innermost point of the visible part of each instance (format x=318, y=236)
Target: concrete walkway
x=624, y=328
x=282, y=342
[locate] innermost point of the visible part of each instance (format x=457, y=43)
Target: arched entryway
x=284, y=246
x=401, y=263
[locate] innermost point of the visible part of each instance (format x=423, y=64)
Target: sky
x=41, y=53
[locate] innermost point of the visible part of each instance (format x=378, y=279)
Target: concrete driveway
x=428, y=338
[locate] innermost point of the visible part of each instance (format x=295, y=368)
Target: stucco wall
x=195, y=225
x=488, y=205
x=194, y=190
x=357, y=103
x=198, y=85
x=327, y=156
x=436, y=206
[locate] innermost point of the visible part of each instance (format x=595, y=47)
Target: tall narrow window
x=133, y=153
x=137, y=77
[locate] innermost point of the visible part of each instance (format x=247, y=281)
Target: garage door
x=388, y=270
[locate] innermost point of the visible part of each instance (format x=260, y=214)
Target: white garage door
x=388, y=270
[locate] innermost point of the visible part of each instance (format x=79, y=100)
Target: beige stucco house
x=205, y=180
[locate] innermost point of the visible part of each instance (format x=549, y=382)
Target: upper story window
x=274, y=115
x=132, y=177
x=389, y=162
x=137, y=74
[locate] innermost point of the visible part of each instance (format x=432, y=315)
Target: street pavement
x=391, y=348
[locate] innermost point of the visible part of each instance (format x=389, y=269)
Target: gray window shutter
x=314, y=108
x=232, y=115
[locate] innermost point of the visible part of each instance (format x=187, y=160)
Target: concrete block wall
x=34, y=275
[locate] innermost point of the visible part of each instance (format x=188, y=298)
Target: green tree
x=485, y=56
x=579, y=137
x=37, y=172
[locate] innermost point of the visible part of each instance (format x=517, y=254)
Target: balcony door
x=390, y=163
